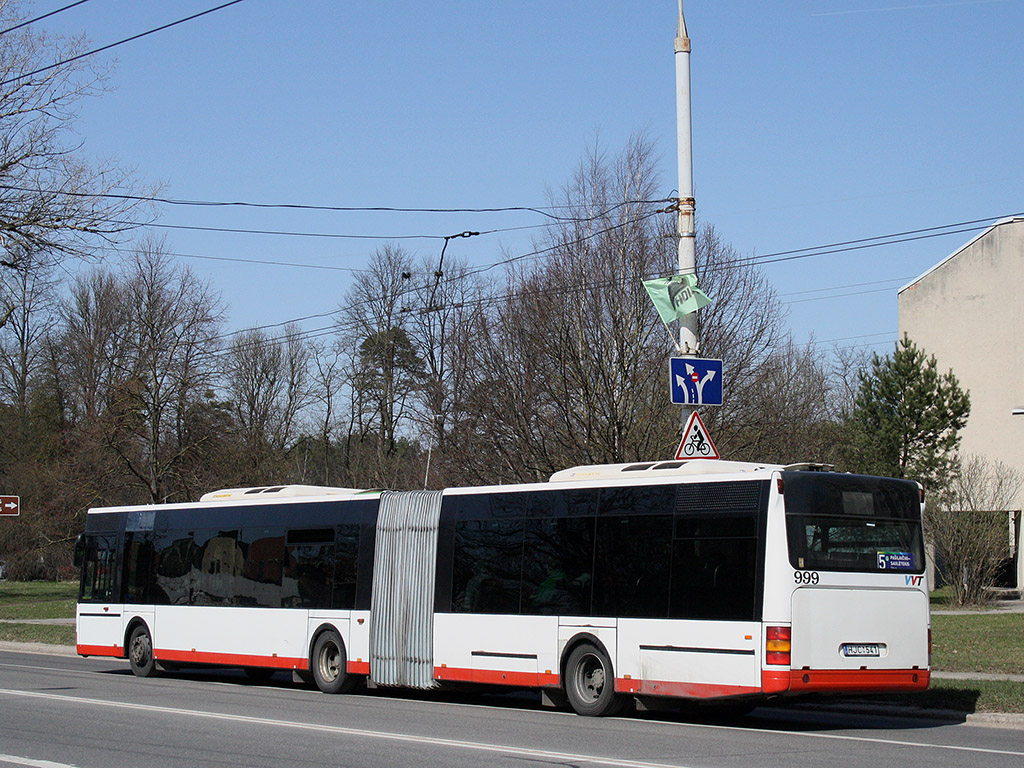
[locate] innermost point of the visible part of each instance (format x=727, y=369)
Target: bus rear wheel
x=140, y=652
x=329, y=664
x=590, y=682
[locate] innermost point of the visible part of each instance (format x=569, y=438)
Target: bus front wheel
x=590, y=682
x=329, y=664
x=140, y=652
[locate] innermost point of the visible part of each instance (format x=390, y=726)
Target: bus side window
x=487, y=569
x=98, y=571
x=308, y=580
x=138, y=567
x=632, y=566
x=173, y=552
x=346, y=567
x=258, y=582
x=714, y=568
x=558, y=564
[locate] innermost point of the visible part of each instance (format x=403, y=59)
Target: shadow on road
x=806, y=715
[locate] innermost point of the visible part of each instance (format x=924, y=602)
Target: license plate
x=860, y=649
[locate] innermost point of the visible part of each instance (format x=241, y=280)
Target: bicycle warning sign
x=696, y=442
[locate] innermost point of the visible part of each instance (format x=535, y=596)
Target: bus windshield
x=853, y=523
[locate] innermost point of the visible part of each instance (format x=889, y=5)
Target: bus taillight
x=778, y=645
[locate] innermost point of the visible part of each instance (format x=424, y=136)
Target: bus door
x=99, y=621
x=717, y=583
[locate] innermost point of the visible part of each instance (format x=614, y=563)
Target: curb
x=45, y=649
x=951, y=716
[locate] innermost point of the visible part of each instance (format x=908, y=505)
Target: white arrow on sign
x=681, y=382
x=10, y=505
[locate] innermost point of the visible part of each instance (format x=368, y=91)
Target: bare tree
x=443, y=328
x=52, y=202
x=784, y=414
x=174, y=322
x=385, y=365
x=967, y=526
x=573, y=359
x=326, y=383
x=267, y=387
x=568, y=358
x=28, y=295
x=745, y=326
x=93, y=344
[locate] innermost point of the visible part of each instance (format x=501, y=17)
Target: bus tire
x=590, y=682
x=140, y=652
x=329, y=664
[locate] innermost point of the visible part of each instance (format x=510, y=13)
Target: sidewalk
x=68, y=622
x=998, y=606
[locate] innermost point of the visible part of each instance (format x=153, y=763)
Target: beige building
x=968, y=311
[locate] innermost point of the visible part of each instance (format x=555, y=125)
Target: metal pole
x=688, y=342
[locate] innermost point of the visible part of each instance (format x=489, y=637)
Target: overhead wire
x=542, y=210
x=44, y=16
x=800, y=253
x=103, y=48
x=852, y=245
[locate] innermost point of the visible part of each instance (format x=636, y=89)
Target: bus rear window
x=853, y=523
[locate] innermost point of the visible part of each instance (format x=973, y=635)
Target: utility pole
x=688, y=342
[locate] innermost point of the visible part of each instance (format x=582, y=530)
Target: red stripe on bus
x=230, y=659
x=682, y=690
x=496, y=677
x=858, y=680
x=775, y=680
x=116, y=651
x=358, y=667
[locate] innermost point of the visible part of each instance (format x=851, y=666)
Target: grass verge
x=52, y=634
x=49, y=609
x=12, y=592
x=978, y=642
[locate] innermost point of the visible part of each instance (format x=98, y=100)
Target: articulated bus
x=662, y=582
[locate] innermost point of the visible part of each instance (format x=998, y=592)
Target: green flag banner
x=676, y=296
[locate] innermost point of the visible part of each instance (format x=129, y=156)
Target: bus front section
x=846, y=596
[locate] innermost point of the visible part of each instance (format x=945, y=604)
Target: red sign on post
x=696, y=442
x=10, y=505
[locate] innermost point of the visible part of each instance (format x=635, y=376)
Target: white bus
x=700, y=580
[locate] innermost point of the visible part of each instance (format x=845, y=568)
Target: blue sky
x=813, y=123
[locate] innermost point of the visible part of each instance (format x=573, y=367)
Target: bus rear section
x=846, y=599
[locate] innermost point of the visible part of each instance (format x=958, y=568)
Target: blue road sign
x=695, y=380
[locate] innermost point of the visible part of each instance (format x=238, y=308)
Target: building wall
x=968, y=311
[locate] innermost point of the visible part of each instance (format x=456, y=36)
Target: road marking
x=385, y=735
x=33, y=763
x=865, y=739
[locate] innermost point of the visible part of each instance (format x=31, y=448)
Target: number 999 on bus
x=805, y=577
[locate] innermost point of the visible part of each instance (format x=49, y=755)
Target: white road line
x=14, y=760
x=866, y=739
x=389, y=736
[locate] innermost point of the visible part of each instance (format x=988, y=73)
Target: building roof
x=958, y=251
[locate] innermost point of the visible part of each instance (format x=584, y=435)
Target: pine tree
x=907, y=417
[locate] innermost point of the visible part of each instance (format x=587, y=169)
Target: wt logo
x=914, y=581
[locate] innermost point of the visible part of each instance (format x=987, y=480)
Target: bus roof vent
x=657, y=469
x=810, y=466
x=276, y=491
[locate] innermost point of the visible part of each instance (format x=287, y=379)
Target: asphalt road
x=58, y=711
